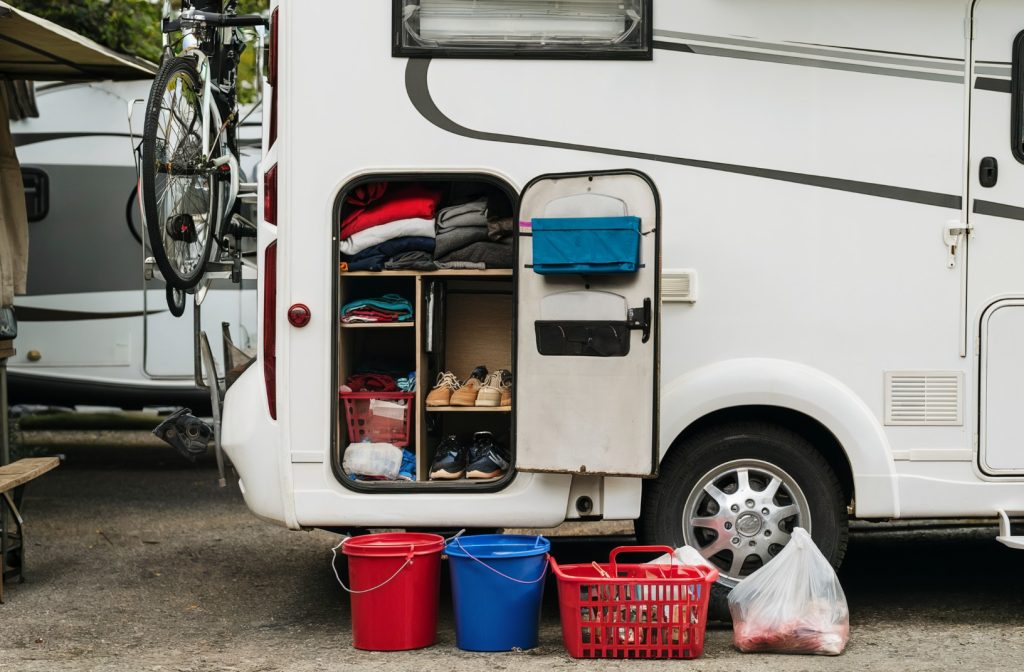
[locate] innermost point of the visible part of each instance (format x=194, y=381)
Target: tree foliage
x=128, y=26
x=133, y=27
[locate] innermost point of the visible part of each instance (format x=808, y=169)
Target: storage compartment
x=582, y=338
x=458, y=284
x=586, y=245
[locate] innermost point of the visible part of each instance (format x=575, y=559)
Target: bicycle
x=189, y=168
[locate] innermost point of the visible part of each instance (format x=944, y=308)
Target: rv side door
x=587, y=315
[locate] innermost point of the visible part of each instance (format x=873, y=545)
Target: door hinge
x=953, y=236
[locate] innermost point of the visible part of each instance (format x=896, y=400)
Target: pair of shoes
x=450, y=391
x=496, y=390
x=484, y=458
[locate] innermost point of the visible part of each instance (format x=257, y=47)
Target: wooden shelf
x=464, y=409
x=461, y=272
x=375, y=325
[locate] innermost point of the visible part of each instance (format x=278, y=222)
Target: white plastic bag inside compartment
x=378, y=460
x=393, y=410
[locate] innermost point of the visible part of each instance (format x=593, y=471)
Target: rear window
x=597, y=29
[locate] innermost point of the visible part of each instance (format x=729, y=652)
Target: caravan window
x=1017, y=99
x=523, y=28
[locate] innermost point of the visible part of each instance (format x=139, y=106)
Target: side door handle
x=988, y=172
x=641, y=318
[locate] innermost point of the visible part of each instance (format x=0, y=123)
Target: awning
x=34, y=48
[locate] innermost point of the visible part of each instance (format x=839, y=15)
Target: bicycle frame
x=210, y=110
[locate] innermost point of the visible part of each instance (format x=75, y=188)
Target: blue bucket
x=497, y=586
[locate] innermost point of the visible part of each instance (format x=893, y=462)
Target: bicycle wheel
x=179, y=186
x=175, y=301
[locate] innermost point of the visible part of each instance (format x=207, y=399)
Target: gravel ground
x=137, y=561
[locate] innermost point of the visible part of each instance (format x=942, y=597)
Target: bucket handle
x=334, y=558
x=540, y=578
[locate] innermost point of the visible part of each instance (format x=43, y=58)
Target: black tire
x=767, y=453
x=180, y=209
x=175, y=301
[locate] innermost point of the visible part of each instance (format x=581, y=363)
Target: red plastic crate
x=633, y=611
x=363, y=424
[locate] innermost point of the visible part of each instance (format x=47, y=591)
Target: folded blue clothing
x=391, y=248
x=390, y=302
x=374, y=263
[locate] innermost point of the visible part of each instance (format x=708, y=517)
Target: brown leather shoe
x=466, y=395
x=446, y=384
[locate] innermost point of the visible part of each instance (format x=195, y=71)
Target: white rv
x=92, y=330
x=830, y=200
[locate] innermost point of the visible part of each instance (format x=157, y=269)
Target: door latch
x=640, y=318
x=953, y=236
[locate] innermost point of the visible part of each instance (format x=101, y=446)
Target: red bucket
x=394, y=584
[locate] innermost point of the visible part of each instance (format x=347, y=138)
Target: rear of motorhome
x=748, y=265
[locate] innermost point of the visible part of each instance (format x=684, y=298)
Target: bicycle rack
x=204, y=359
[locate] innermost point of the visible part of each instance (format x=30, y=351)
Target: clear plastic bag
x=373, y=460
x=794, y=604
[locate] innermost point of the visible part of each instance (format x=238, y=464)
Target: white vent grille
x=924, y=397
x=679, y=285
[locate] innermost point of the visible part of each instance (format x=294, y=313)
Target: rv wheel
x=735, y=493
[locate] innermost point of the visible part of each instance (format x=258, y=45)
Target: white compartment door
x=995, y=283
x=586, y=368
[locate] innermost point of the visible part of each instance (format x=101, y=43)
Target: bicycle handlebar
x=213, y=19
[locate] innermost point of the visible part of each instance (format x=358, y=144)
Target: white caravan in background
x=830, y=198
x=91, y=329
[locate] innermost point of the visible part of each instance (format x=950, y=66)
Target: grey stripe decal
x=912, y=62
x=989, y=84
x=986, y=70
x=673, y=46
x=828, y=65
x=29, y=314
x=22, y=139
x=419, y=94
x=998, y=210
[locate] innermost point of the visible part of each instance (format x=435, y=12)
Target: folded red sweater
x=413, y=201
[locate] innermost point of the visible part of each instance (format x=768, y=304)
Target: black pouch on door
x=578, y=338
x=8, y=324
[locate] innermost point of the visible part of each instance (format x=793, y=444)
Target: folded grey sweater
x=449, y=240
x=473, y=213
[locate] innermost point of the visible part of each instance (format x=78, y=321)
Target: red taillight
x=270, y=195
x=272, y=77
x=270, y=326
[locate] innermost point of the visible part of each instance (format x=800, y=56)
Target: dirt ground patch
x=137, y=561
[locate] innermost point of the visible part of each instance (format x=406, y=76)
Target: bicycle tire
x=181, y=225
x=175, y=300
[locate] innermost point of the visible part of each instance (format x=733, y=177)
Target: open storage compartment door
x=587, y=314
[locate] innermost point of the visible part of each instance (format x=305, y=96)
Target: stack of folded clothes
x=467, y=236
x=387, y=308
x=384, y=222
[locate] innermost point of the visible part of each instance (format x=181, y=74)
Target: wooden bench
x=13, y=479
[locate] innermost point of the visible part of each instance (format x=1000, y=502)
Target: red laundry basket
x=363, y=423
x=634, y=611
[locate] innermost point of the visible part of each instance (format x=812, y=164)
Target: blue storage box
x=586, y=245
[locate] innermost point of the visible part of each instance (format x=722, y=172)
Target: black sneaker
x=486, y=458
x=449, y=460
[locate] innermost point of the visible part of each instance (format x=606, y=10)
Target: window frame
x=645, y=53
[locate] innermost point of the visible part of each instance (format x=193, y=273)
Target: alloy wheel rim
x=741, y=514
